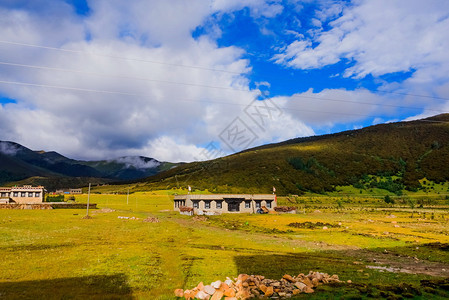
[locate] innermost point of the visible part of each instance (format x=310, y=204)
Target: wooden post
x=88, y=198
x=127, y=197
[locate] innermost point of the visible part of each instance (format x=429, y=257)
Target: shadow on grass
x=275, y=266
x=35, y=247
x=89, y=287
x=351, y=265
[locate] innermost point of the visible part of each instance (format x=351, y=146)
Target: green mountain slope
x=18, y=163
x=402, y=153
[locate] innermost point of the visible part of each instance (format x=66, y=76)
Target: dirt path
x=393, y=262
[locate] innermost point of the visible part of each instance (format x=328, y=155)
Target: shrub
x=57, y=198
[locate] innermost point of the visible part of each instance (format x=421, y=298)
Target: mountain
x=53, y=169
x=391, y=156
x=130, y=167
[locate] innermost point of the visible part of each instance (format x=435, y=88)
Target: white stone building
x=26, y=194
x=225, y=203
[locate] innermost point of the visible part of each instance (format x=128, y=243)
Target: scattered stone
x=285, y=209
x=104, y=210
x=179, y=293
x=300, y=285
x=128, y=218
x=308, y=290
x=217, y=296
x=288, y=278
x=199, y=218
x=230, y=292
x=201, y=295
x=246, y=287
x=216, y=284
x=269, y=291
x=151, y=220
x=209, y=289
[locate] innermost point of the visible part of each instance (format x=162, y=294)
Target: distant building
x=224, y=203
x=26, y=194
x=76, y=191
x=69, y=191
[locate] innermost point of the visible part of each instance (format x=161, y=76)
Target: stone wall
x=55, y=205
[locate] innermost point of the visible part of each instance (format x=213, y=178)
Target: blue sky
x=189, y=80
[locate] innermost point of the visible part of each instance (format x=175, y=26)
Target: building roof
x=226, y=197
x=21, y=188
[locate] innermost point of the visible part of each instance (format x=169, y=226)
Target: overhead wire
x=185, y=84
x=178, y=65
x=183, y=100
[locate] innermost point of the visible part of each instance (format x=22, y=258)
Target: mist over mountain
x=19, y=163
x=393, y=156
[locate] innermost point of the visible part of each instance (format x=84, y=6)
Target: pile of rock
x=285, y=209
x=257, y=287
x=151, y=220
x=184, y=210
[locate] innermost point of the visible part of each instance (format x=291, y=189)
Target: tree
x=388, y=200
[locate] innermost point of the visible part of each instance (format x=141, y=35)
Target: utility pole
x=127, y=197
x=88, y=198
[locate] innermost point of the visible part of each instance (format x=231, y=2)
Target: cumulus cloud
x=380, y=37
x=106, y=95
x=130, y=79
x=259, y=8
x=330, y=107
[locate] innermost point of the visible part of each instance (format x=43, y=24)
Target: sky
x=186, y=80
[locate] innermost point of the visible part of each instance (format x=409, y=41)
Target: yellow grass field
x=56, y=254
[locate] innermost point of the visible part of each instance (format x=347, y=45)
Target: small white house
x=225, y=203
x=26, y=194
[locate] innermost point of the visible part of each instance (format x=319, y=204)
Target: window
x=234, y=206
x=196, y=204
x=207, y=204
x=258, y=204
x=23, y=194
x=30, y=194
x=3, y=194
x=37, y=194
x=247, y=204
x=219, y=204
x=268, y=204
x=16, y=194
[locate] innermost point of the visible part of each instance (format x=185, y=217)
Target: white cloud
x=147, y=115
x=137, y=162
x=380, y=37
x=259, y=8
x=168, y=149
x=330, y=107
x=166, y=110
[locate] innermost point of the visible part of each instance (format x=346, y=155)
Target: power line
x=196, y=85
x=364, y=103
x=119, y=57
x=66, y=88
x=186, y=100
x=180, y=65
x=120, y=76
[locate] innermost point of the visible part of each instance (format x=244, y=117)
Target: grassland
x=55, y=254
